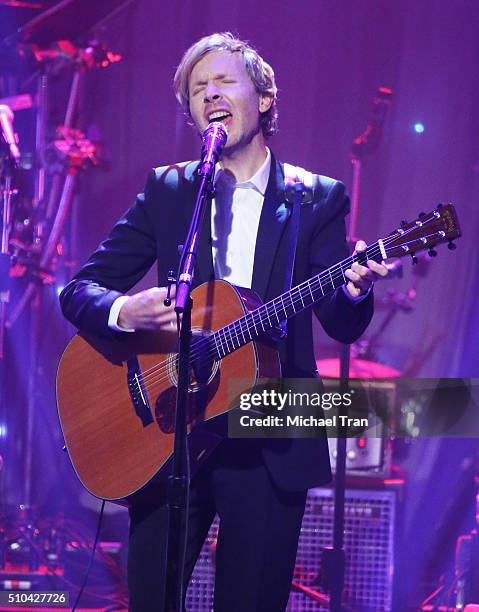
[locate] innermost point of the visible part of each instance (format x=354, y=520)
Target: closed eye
x=221, y=79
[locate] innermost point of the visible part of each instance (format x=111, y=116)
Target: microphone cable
x=90, y=563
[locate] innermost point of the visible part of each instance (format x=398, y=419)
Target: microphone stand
x=335, y=559
x=179, y=480
x=6, y=194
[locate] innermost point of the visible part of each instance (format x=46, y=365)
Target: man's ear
x=265, y=103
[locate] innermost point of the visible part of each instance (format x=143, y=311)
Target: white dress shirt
x=235, y=213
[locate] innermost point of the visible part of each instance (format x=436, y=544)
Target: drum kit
x=38, y=181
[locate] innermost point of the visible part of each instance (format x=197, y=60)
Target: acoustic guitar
x=116, y=398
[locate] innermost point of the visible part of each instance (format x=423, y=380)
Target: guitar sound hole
x=203, y=367
x=204, y=382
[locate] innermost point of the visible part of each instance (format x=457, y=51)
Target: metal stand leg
x=5, y=258
x=31, y=400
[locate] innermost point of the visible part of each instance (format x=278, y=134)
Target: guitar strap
x=298, y=190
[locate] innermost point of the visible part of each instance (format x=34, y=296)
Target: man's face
x=220, y=89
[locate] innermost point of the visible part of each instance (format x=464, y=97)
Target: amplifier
x=368, y=544
x=370, y=453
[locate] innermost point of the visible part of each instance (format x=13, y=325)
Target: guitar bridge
x=137, y=390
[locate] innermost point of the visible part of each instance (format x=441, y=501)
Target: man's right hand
x=145, y=310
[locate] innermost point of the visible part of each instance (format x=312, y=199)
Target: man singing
x=257, y=487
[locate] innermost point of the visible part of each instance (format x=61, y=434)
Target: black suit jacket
x=158, y=221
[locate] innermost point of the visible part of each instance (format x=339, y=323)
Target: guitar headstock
x=425, y=232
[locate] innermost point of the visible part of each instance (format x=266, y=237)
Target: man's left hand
x=361, y=278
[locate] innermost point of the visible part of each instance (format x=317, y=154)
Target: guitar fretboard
x=252, y=325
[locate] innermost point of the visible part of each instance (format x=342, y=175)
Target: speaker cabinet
x=368, y=544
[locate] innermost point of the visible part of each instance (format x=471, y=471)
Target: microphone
x=214, y=139
x=369, y=140
x=8, y=133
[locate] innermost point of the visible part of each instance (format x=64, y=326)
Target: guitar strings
x=257, y=316
x=256, y=320
x=252, y=314
x=213, y=349
x=270, y=311
x=160, y=368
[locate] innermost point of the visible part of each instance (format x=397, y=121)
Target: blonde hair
x=259, y=71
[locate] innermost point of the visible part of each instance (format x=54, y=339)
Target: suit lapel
x=205, y=258
x=272, y=222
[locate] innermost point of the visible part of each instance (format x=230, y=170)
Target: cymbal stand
x=334, y=558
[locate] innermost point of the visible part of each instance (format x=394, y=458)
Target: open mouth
x=219, y=116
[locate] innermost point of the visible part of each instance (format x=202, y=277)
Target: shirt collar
x=258, y=181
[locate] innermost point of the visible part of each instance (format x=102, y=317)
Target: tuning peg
x=403, y=223
x=432, y=252
x=451, y=246
x=414, y=259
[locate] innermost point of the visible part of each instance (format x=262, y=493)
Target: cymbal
x=358, y=368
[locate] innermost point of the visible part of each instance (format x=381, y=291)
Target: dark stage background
x=329, y=58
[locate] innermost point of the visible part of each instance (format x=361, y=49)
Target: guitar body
x=120, y=450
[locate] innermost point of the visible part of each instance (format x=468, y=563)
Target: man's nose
x=212, y=93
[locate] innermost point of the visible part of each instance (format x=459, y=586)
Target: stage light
x=419, y=128
x=3, y=430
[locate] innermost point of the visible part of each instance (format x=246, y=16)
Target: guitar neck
x=249, y=327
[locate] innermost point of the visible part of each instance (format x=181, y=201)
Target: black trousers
x=257, y=539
